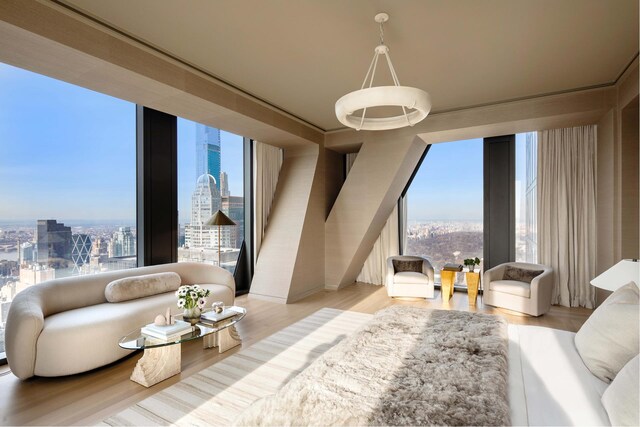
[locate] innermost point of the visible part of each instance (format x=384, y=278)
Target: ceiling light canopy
x=408, y=98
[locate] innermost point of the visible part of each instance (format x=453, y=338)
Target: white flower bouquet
x=191, y=296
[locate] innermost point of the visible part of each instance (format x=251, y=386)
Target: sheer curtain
x=567, y=212
x=374, y=269
x=267, y=161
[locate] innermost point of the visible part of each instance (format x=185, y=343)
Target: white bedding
x=548, y=382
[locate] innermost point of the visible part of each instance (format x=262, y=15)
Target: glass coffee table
x=162, y=359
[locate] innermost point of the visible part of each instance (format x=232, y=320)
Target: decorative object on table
x=219, y=219
x=160, y=320
x=191, y=298
x=471, y=263
x=450, y=266
x=165, y=320
x=447, y=280
x=212, y=317
x=218, y=306
x=167, y=332
x=408, y=98
x=627, y=270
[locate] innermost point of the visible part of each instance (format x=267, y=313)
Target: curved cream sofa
x=66, y=326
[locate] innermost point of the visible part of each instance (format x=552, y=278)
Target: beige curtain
x=567, y=212
x=374, y=269
x=267, y=161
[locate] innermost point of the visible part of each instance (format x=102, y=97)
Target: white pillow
x=135, y=287
x=610, y=336
x=621, y=399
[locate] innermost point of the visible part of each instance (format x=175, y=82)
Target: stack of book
x=211, y=317
x=167, y=332
x=452, y=267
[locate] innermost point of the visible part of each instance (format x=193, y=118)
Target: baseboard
x=268, y=298
x=305, y=294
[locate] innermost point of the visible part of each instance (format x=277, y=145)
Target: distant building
x=205, y=201
x=37, y=273
x=100, y=246
x=80, y=250
x=53, y=241
x=27, y=253
x=8, y=268
x=233, y=207
x=224, y=185
x=208, y=152
x=123, y=243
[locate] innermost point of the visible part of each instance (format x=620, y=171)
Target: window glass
x=445, y=206
x=210, y=179
x=526, y=197
x=67, y=183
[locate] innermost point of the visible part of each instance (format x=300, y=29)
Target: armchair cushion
x=520, y=274
x=400, y=266
x=513, y=287
x=411, y=277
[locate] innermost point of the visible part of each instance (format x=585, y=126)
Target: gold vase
x=473, y=282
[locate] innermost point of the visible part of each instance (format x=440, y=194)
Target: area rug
x=218, y=394
x=407, y=366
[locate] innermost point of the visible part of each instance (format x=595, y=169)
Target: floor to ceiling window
x=526, y=197
x=210, y=178
x=444, y=205
x=67, y=183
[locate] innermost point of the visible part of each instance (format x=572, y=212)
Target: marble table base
x=157, y=364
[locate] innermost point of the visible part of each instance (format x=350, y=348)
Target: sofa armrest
x=25, y=321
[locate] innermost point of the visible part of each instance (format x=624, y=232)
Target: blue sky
x=69, y=153
x=448, y=185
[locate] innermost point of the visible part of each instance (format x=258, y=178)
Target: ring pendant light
x=408, y=98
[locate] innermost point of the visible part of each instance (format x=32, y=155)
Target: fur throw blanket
x=407, y=366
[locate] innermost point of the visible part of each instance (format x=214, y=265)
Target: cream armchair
x=410, y=283
x=530, y=298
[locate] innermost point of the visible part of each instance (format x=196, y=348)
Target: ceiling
x=302, y=55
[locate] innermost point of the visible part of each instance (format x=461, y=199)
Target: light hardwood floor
x=93, y=396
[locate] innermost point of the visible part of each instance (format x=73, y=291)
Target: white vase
x=192, y=315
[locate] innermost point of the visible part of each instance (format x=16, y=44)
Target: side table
x=447, y=280
x=473, y=282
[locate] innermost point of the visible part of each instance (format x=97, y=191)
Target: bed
x=548, y=382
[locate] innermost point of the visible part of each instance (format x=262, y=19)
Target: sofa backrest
x=58, y=295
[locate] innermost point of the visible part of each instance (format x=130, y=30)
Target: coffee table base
x=157, y=364
x=225, y=339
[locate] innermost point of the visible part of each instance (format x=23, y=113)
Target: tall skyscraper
x=27, y=253
x=54, y=243
x=208, y=152
x=224, y=185
x=233, y=207
x=205, y=201
x=80, y=250
x=123, y=243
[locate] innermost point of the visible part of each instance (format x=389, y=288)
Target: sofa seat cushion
x=82, y=339
x=512, y=287
x=411, y=277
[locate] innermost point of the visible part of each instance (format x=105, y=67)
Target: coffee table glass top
x=136, y=340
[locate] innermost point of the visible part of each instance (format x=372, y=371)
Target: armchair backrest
x=427, y=268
